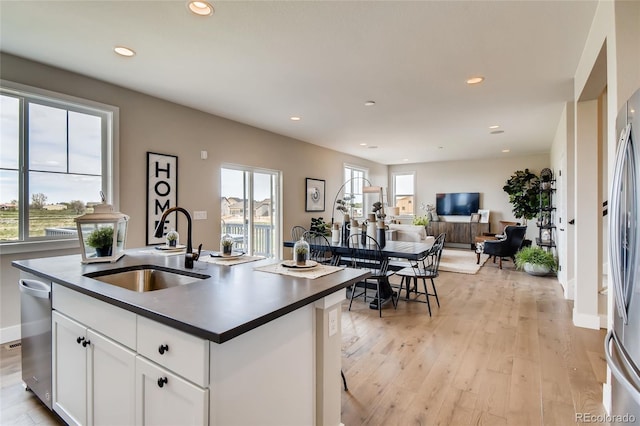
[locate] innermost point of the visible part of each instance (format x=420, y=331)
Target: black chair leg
x=426, y=294
x=353, y=290
x=344, y=381
x=435, y=292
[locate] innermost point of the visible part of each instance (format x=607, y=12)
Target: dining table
x=408, y=250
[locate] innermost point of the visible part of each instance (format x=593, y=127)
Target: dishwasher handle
x=35, y=288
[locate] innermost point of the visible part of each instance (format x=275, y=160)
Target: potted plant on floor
x=536, y=261
x=102, y=240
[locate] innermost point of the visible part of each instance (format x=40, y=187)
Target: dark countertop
x=234, y=300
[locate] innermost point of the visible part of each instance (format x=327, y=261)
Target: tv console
x=458, y=232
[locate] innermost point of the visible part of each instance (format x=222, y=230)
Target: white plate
x=233, y=255
x=292, y=264
x=169, y=248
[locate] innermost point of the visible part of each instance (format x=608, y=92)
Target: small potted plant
x=172, y=238
x=226, y=244
x=301, y=256
x=102, y=240
x=546, y=175
x=536, y=261
x=421, y=220
x=301, y=252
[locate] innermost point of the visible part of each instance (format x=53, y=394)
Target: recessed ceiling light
x=295, y=118
x=497, y=132
x=475, y=80
x=363, y=144
x=200, y=8
x=370, y=103
x=495, y=126
x=506, y=150
x=405, y=159
x=124, y=51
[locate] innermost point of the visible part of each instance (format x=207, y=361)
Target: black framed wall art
x=314, y=199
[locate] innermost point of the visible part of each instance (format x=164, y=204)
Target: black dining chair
x=369, y=256
x=297, y=232
x=320, y=249
x=425, y=268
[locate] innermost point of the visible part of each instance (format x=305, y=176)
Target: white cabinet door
x=69, y=370
x=111, y=383
x=163, y=398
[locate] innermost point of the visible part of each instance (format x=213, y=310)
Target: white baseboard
x=569, y=290
x=586, y=321
x=606, y=397
x=604, y=321
x=9, y=334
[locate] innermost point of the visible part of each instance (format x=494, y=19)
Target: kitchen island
x=240, y=346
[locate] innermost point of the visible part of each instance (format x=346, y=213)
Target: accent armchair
x=507, y=247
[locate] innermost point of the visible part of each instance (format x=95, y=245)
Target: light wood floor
x=17, y=406
x=501, y=350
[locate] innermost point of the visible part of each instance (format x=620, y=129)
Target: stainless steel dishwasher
x=35, y=315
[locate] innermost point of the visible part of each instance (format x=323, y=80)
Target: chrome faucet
x=189, y=256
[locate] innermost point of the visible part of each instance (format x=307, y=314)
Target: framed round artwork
x=314, y=199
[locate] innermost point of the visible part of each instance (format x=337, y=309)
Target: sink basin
x=146, y=277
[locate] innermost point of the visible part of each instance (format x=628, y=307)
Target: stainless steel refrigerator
x=622, y=345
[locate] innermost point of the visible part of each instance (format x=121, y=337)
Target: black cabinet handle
x=163, y=348
x=85, y=343
x=79, y=340
x=162, y=381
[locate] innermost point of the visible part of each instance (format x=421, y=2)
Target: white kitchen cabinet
x=94, y=377
x=164, y=398
x=69, y=370
x=111, y=382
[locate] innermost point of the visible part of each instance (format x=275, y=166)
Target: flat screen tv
x=458, y=203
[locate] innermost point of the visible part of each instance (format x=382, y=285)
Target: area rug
x=461, y=261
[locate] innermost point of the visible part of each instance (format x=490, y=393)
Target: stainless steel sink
x=146, y=277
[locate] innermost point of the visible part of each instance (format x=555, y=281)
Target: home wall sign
x=162, y=193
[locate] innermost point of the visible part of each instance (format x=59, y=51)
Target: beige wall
x=486, y=176
x=152, y=124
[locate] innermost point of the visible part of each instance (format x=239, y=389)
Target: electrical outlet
x=333, y=322
x=199, y=215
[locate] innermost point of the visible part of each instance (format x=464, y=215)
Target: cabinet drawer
x=178, y=351
x=113, y=322
x=165, y=398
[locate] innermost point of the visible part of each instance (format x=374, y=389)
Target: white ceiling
x=262, y=62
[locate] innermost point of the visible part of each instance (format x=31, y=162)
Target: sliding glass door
x=250, y=210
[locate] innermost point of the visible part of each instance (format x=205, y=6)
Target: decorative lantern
x=102, y=234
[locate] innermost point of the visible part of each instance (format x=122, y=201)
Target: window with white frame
x=404, y=192
x=355, y=179
x=55, y=159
